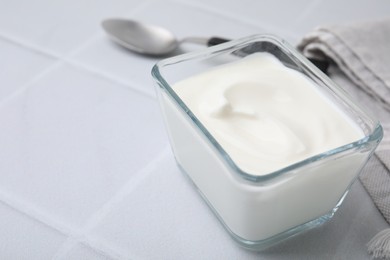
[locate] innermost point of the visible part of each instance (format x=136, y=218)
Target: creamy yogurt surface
x=264, y=115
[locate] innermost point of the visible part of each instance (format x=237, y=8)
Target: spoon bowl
x=139, y=37
x=149, y=39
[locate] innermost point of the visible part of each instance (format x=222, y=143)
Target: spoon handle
x=216, y=40
x=321, y=64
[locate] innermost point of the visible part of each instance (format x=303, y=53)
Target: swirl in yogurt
x=264, y=115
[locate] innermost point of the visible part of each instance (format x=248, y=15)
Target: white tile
x=18, y=66
x=117, y=62
x=82, y=252
x=276, y=16
x=24, y=238
x=58, y=25
x=335, y=12
x=186, y=20
x=70, y=141
x=165, y=218
x=180, y=19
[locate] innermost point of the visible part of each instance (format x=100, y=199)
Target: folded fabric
x=362, y=52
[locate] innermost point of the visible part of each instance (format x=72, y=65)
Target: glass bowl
x=261, y=210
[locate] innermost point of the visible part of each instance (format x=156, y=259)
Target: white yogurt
x=265, y=115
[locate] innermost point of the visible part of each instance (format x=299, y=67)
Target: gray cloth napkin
x=361, y=55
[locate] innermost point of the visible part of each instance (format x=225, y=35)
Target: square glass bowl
x=259, y=211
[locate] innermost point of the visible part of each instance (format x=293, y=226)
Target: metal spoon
x=149, y=39
x=157, y=41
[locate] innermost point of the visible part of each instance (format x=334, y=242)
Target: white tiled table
x=86, y=171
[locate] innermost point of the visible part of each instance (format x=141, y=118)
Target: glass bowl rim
x=374, y=137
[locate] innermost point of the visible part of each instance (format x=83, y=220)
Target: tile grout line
x=106, y=250
x=34, y=213
x=59, y=226
x=108, y=76
x=25, y=86
x=76, y=236
x=20, y=206
x=37, y=49
x=100, y=214
x=142, y=174
x=111, y=78
x=61, y=59
x=4, y=198
x=32, y=47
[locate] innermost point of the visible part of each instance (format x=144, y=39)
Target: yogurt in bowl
x=269, y=141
